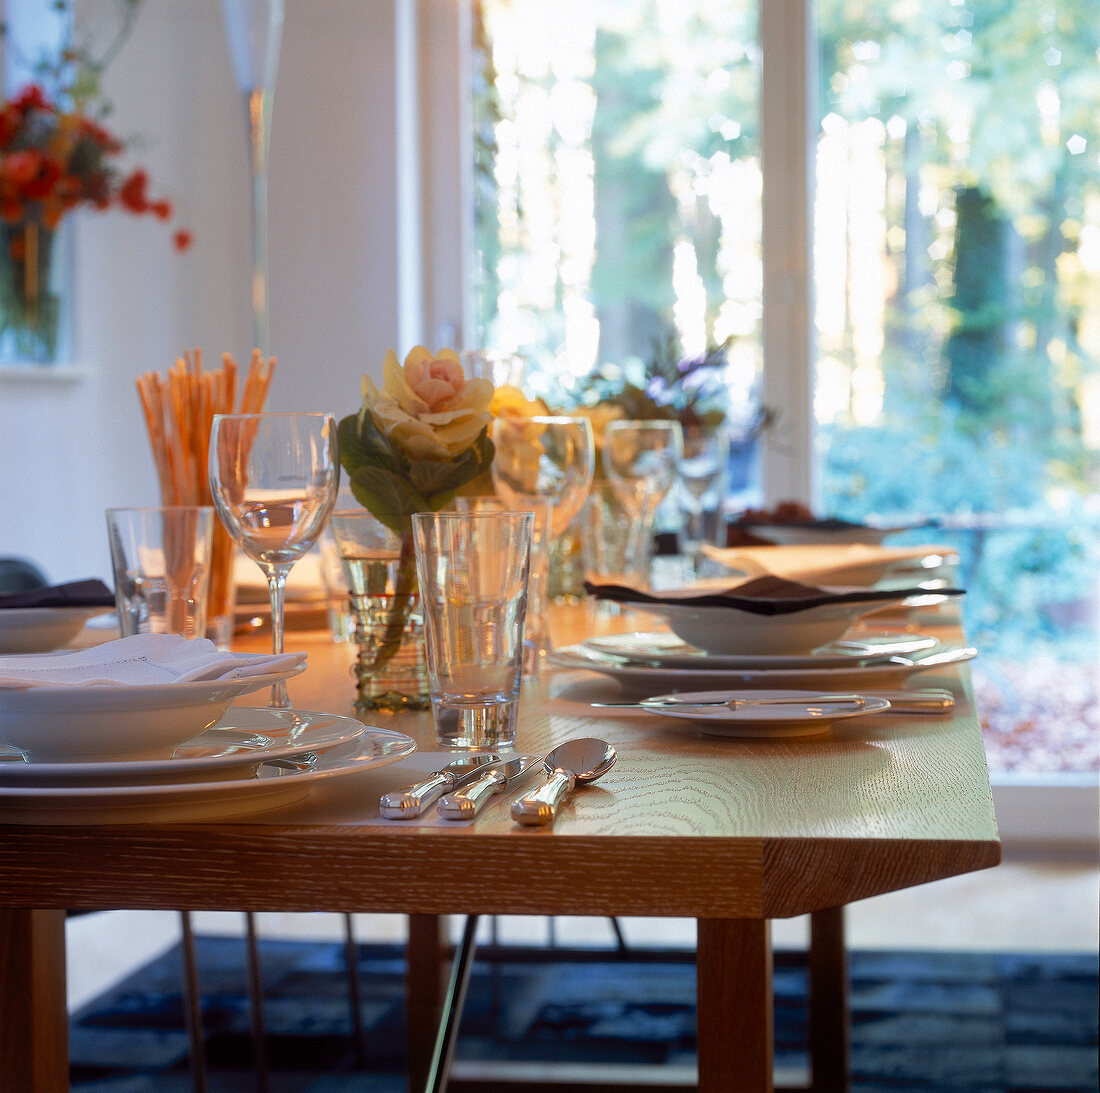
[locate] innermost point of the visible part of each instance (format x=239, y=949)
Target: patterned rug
x=928, y=1022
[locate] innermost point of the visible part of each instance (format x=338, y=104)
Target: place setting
x=767, y=632
x=143, y=728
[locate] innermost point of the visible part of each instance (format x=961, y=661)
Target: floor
x=1024, y=905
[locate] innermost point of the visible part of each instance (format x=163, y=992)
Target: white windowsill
x=42, y=373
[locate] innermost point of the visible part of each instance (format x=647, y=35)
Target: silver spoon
x=569, y=764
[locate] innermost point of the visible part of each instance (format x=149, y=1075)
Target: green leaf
x=362, y=446
x=387, y=495
x=433, y=478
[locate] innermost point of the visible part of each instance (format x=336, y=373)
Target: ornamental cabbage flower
x=428, y=408
x=419, y=438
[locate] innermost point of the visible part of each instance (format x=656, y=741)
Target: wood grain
x=33, y=1044
x=731, y=832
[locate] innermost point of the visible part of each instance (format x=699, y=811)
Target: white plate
x=857, y=564
x=245, y=737
x=663, y=650
x=118, y=722
x=270, y=788
x=805, y=719
x=649, y=681
x=42, y=629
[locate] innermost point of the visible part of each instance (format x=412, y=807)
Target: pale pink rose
x=427, y=407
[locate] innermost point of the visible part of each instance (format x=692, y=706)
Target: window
x=623, y=195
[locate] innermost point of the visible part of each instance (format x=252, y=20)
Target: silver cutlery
x=947, y=656
x=933, y=700
x=898, y=646
x=410, y=802
x=569, y=764
x=743, y=703
x=466, y=803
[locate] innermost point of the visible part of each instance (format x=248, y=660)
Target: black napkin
x=89, y=593
x=762, y=595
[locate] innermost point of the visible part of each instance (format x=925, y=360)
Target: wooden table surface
x=730, y=832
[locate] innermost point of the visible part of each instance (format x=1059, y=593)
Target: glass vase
x=390, y=670
x=30, y=296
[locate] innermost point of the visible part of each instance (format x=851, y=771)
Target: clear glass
x=273, y=480
x=161, y=559
x=473, y=568
x=379, y=568
x=536, y=630
x=642, y=460
x=701, y=489
x=957, y=278
x=545, y=456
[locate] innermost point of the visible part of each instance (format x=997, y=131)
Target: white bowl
x=42, y=629
x=729, y=630
x=117, y=722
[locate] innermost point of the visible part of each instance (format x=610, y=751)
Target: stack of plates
x=653, y=663
x=252, y=760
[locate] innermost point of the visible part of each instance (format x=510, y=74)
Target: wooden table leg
x=423, y=993
x=735, y=1007
x=34, y=1023
x=828, y=1000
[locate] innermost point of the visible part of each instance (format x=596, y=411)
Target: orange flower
x=181, y=239
x=53, y=160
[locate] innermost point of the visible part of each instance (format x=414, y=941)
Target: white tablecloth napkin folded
x=144, y=659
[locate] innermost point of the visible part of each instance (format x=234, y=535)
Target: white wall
x=69, y=448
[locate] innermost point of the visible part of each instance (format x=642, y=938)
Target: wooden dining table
x=729, y=832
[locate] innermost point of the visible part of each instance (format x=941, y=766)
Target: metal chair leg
x=355, y=999
x=192, y=1006
x=453, y=1002
x=256, y=1001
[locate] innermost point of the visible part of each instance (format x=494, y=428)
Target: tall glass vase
x=391, y=672
x=30, y=292
x=254, y=29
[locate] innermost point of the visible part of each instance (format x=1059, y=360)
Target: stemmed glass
x=642, y=459
x=551, y=458
x=703, y=475
x=273, y=479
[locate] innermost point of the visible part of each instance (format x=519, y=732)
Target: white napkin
x=143, y=659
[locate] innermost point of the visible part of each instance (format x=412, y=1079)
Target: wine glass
x=273, y=479
x=545, y=456
x=642, y=460
x=703, y=476
x=550, y=459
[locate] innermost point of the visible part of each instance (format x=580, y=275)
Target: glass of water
x=473, y=569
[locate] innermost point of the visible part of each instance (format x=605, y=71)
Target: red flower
x=131, y=194
x=181, y=239
x=57, y=159
x=31, y=98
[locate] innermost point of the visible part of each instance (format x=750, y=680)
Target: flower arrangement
x=421, y=437
x=53, y=160
x=56, y=156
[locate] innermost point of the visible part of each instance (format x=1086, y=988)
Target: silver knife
x=466, y=803
x=410, y=802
